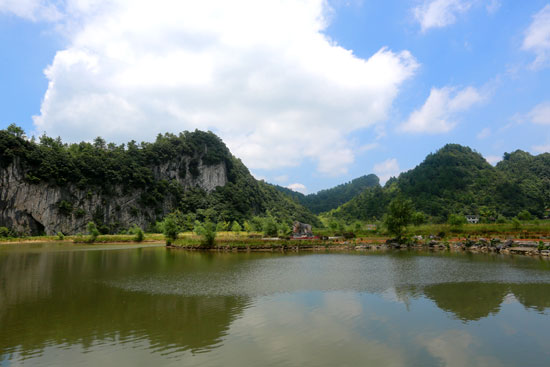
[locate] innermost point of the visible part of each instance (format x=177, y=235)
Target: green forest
x=458, y=180
x=455, y=180
x=104, y=167
x=332, y=198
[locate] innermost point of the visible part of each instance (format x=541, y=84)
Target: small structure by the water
x=472, y=219
x=301, y=230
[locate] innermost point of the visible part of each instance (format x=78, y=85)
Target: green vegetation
x=207, y=231
x=170, y=228
x=236, y=227
x=105, y=170
x=457, y=220
x=137, y=232
x=329, y=199
x=399, y=216
x=4, y=232
x=455, y=180
x=448, y=184
x=93, y=231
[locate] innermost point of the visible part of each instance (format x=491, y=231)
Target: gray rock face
x=34, y=208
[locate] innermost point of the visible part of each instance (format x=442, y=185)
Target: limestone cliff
x=51, y=186
x=35, y=208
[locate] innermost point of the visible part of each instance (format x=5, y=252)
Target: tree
x=398, y=217
x=524, y=215
x=236, y=227
x=137, y=232
x=4, y=232
x=418, y=218
x=92, y=230
x=270, y=226
x=170, y=228
x=16, y=131
x=284, y=229
x=457, y=220
x=208, y=233
x=247, y=226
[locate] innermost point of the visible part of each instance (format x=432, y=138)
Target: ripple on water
x=332, y=272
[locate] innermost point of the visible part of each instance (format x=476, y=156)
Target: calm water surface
x=126, y=306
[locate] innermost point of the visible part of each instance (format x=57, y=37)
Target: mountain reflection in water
x=179, y=304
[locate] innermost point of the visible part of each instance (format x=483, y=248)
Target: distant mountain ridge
x=332, y=198
x=456, y=179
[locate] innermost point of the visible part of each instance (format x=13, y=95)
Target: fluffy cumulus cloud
x=387, y=169
x=540, y=114
x=260, y=74
x=439, y=13
x=34, y=10
x=537, y=37
x=441, y=109
x=298, y=187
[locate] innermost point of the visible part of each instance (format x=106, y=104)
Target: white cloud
x=493, y=159
x=485, y=133
x=298, y=187
x=537, y=37
x=439, y=13
x=439, y=112
x=387, y=169
x=34, y=10
x=541, y=148
x=262, y=75
x=540, y=114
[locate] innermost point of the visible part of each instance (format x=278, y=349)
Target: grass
x=529, y=229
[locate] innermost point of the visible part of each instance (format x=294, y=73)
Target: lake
x=101, y=305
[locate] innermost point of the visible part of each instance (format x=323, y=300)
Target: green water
x=120, y=306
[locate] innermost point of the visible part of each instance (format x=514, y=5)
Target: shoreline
x=525, y=247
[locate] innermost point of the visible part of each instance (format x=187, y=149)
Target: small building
x=472, y=219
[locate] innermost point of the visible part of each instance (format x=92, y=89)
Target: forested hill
x=456, y=179
x=50, y=186
x=332, y=198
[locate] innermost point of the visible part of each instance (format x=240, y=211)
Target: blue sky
x=307, y=93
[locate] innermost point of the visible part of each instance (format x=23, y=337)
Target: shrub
x=524, y=215
x=516, y=224
x=4, y=232
x=60, y=236
x=137, y=232
x=65, y=207
x=208, y=233
x=418, y=218
x=170, y=228
x=457, y=220
x=92, y=230
x=236, y=227
x=270, y=227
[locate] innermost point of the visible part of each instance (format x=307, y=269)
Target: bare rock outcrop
x=34, y=208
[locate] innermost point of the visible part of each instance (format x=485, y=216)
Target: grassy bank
x=535, y=230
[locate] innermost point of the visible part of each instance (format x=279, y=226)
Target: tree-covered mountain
x=332, y=198
x=456, y=179
x=51, y=186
